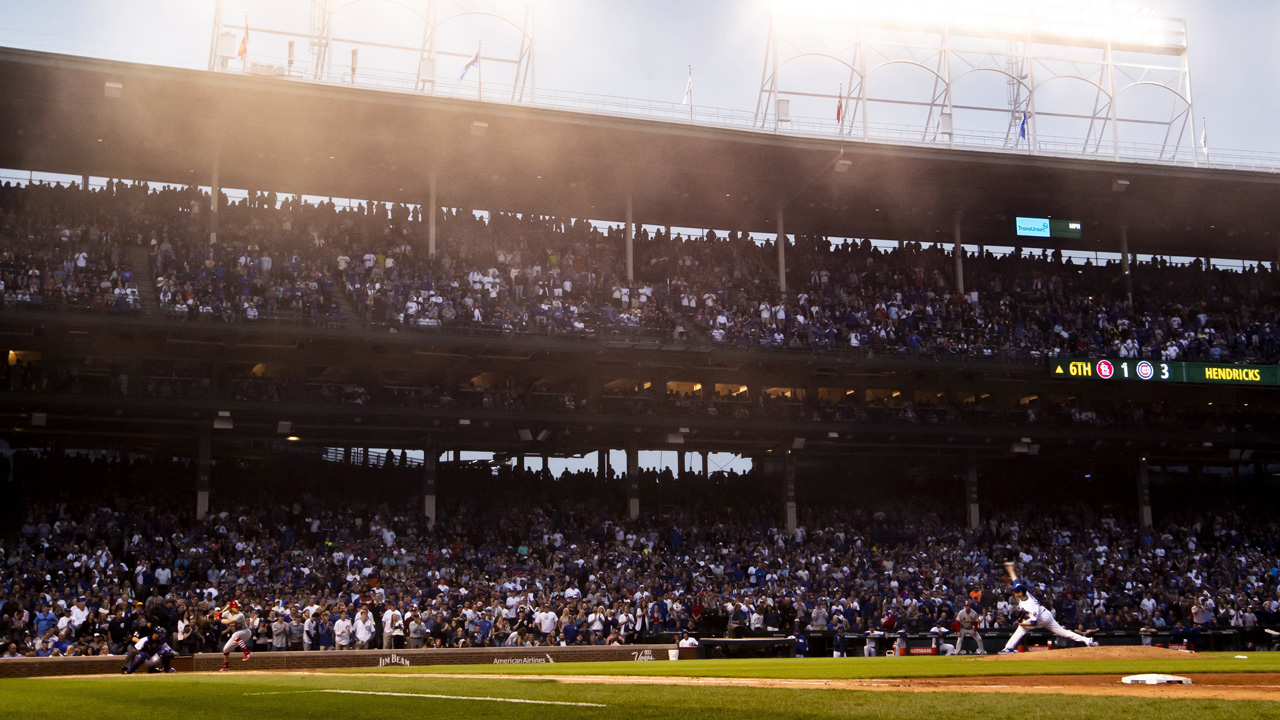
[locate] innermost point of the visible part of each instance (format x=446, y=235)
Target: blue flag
x=1022, y=131
x=474, y=61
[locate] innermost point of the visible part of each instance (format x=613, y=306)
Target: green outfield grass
x=852, y=668
x=346, y=696
x=178, y=697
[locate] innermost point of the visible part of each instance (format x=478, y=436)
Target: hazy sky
x=642, y=49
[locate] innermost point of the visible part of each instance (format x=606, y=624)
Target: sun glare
x=1117, y=21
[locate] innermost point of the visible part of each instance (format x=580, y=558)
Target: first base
x=1155, y=679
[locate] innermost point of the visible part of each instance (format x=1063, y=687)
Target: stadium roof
x=270, y=133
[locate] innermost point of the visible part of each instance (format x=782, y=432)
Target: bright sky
x=642, y=49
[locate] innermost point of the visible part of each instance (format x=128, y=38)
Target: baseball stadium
x=354, y=369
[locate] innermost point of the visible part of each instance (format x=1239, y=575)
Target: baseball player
x=1036, y=616
x=968, y=620
x=938, y=636
x=240, y=633
x=151, y=649
x=872, y=648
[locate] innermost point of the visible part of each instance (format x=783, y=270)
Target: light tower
x=1105, y=79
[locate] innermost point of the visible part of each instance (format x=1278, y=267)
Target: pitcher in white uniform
x=1037, y=616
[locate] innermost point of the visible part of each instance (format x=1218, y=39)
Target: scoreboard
x=1178, y=372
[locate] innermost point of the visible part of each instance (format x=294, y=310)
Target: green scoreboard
x=1179, y=372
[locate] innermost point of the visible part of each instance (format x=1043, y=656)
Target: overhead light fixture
x=843, y=165
x=223, y=421
x=293, y=438
x=1119, y=185
x=544, y=436
x=525, y=435
x=284, y=427
x=112, y=89
x=39, y=419
x=479, y=128
x=797, y=444
x=675, y=438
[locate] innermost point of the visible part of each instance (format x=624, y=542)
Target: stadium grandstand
x=260, y=330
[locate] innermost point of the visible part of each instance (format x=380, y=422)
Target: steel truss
x=1028, y=64
x=413, y=67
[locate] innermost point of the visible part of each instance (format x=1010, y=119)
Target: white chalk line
x=434, y=697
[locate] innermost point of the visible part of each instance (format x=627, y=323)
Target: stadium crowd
x=496, y=571
x=282, y=258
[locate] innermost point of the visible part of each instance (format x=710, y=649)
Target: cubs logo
x=1145, y=370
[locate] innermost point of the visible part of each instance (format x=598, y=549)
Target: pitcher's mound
x=1106, y=652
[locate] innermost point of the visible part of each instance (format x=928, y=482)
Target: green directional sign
x=1179, y=372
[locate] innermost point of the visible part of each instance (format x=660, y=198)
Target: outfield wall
x=316, y=660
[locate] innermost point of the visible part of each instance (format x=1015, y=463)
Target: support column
x=1144, y=494
x=544, y=462
x=682, y=458
x=706, y=465
x=971, y=493
x=429, y=457
x=215, y=193
x=1124, y=261
x=602, y=464
x=958, y=252
x=433, y=206
x=631, y=242
x=84, y=182
x=789, y=489
x=633, y=481
x=782, y=252
x=204, y=464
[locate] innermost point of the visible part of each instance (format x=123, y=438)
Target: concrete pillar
x=204, y=465
x=706, y=465
x=84, y=182
x=602, y=464
x=429, y=456
x=215, y=191
x=971, y=493
x=633, y=481
x=789, y=489
x=457, y=457
x=782, y=253
x=1144, y=494
x=1124, y=261
x=631, y=242
x=958, y=252
x=433, y=206
x=682, y=459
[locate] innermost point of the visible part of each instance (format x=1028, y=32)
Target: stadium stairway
x=348, y=308
x=140, y=260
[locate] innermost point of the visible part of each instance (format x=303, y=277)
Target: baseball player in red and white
x=1036, y=616
x=240, y=633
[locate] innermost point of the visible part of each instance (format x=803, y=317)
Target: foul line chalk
x=434, y=697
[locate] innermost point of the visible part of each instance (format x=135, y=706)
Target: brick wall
x=208, y=662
